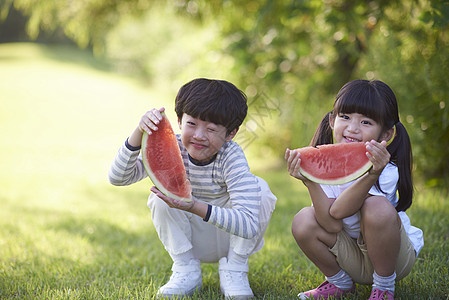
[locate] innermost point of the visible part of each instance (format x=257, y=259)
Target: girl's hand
x=378, y=155
x=293, y=159
x=173, y=203
x=150, y=120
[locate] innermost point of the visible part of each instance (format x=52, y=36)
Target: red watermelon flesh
x=163, y=162
x=334, y=163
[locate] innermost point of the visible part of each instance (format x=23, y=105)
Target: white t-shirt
x=388, y=183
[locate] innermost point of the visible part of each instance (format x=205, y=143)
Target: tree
x=291, y=57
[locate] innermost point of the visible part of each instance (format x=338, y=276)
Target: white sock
x=384, y=283
x=237, y=258
x=182, y=258
x=341, y=280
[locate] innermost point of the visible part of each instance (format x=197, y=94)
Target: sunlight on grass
x=66, y=233
x=61, y=125
x=61, y=121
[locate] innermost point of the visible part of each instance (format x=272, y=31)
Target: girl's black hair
x=377, y=101
x=212, y=100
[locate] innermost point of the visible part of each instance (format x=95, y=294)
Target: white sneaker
x=234, y=282
x=184, y=281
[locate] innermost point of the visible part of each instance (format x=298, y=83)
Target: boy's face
x=202, y=139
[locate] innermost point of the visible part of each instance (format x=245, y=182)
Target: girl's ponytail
x=401, y=154
x=323, y=134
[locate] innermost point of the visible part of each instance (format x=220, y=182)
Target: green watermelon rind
x=152, y=176
x=353, y=176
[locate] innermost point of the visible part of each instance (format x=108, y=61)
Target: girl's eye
x=369, y=122
x=345, y=117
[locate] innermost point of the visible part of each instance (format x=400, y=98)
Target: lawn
x=66, y=233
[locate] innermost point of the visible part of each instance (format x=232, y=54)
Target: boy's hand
x=293, y=159
x=173, y=203
x=378, y=155
x=150, y=120
x=148, y=123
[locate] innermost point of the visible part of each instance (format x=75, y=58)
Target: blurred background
x=290, y=57
x=76, y=77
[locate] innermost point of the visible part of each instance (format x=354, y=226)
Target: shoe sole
x=237, y=297
x=177, y=296
x=240, y=297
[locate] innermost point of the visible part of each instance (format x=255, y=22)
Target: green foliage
x=66, y=233
x=415, y=70
x=437, y=15
x=303, y=51
x=290, y=57
x=86, y=22
x=163, y=51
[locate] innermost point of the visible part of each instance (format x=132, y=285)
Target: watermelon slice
x=163, y=162
x=334, y=163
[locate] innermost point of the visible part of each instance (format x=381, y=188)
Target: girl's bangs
x=362, y=102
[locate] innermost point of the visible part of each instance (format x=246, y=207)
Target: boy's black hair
x=376, y=100
x=212, y=100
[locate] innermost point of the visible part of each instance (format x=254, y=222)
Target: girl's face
x=202, y=139
x=355, y=127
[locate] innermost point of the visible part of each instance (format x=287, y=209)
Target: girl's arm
x=320, y=201
x=351, y=200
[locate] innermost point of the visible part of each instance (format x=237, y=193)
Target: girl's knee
x=304, y=223
x=379, y=212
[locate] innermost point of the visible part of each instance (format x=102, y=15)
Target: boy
x=230, y=207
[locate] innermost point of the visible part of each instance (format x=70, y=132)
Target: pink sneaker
x=384, y=295
x=324, y=291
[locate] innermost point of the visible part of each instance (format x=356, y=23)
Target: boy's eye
x=212, y=130
x=190, y=123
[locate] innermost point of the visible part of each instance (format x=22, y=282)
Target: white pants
x=180, y=231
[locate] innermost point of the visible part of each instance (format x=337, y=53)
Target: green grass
x=66, y=233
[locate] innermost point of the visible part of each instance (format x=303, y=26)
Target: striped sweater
x=226, y=183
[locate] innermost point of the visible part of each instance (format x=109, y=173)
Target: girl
x=358, y=232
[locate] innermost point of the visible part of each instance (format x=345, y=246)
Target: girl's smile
x=355, y=127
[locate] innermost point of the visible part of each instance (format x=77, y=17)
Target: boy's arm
x=195, y=207
x=127, y=167
x=135, y=139
x=242, y=217
x=148, y=123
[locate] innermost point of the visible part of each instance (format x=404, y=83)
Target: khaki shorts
x=352, y=256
